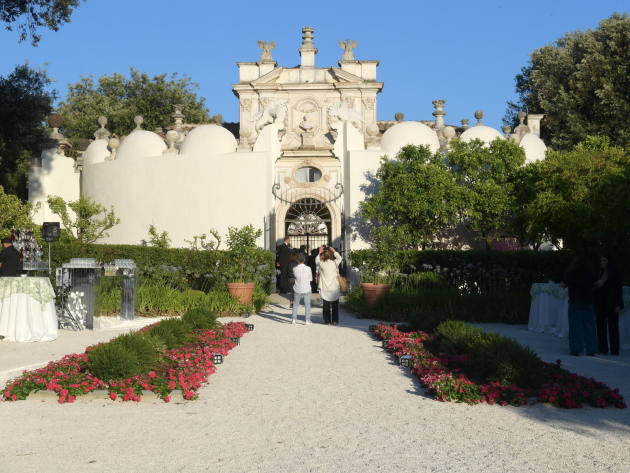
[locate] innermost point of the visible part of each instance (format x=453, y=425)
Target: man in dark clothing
x=9, y=259
x=580, y=278
x=284, y=253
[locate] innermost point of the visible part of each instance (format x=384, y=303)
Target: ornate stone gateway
x=308, y=222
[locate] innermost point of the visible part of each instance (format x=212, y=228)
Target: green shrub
x=178, y=268
x=200, y=319
x=111, y=361
x=173, y=332
x=491, y=355
x=142, y=347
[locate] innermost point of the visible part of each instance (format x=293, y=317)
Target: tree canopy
x=84, y=220
x=416, y=193
x=487, y=176
x=14, y=214
x=31, y=15
x=120, y=98
x=25, y=102
x=581, y=83
x=581, y=197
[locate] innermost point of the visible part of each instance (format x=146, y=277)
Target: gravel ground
x=297, y=398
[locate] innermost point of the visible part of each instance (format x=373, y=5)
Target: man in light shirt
x=302, y=288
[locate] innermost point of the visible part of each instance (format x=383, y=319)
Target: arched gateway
x=308, y=222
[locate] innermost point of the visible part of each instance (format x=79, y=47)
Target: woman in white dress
x=328, y=269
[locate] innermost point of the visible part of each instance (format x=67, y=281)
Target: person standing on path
x=284, y=253
x=328, y=263
x=608, y=304
x=580, y=278
x=302, y=288
x=9, y=259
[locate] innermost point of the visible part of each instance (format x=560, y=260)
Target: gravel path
x=297, y=398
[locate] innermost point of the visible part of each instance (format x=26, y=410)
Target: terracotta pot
x=373, y=293
x=241, y=291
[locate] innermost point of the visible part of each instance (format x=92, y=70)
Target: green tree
x=31, y=15
x=581, y=197
x=417, y=194
x=157, y=238
x=89, y=220
x=13, y=213
x=487, y=176
x=25, y=101
x=120, y=98
x=582, y=85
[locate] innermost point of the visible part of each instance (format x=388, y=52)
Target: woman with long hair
x=608, y=304
x=328, y=263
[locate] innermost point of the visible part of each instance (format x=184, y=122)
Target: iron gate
x=308, y=223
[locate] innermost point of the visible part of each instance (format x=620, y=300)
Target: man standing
x=302, y=288
x=9, y=259
x=284, y=253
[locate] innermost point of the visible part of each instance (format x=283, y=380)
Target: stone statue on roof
x=348, y=49
x=266, y=47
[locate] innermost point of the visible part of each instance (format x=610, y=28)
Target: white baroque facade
x=308, y=141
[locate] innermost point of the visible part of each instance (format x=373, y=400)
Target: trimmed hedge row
x=178, y=267
x=479, y=271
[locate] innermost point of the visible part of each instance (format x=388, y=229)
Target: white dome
x=534, y=147
x=409, y=133
x=480, y=132
x=96, y=152
x=141, y=144
x=208, y=139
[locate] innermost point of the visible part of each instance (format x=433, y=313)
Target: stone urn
x=241, y=291
x=373, y=293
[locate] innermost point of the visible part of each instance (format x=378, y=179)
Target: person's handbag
x=343, y=284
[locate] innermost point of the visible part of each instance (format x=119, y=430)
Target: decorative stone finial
x=521, y=129
x=439, y=113
x=55, y=120
x=113, y=143
x=479, y=117
x=307, y=50
x=348, y=49
x=138, y=120
x=465, y=123
x=399, y=116
x=178, y=116
x=507, y=129
x=172, y=136
x=266, y=47
x=102, y=133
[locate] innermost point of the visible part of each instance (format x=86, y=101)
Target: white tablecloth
x=549, y=311
x=27, y=310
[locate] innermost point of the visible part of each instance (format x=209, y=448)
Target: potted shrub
x=242, y=244
x=377, y=272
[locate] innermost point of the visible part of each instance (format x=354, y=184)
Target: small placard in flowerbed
x=174, y=355
x=462, y=363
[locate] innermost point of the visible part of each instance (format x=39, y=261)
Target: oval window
x=308, y=174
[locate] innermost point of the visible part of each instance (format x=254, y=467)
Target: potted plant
x=377, y=272
x=241, y=243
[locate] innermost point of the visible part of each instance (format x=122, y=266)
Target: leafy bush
x=112, y=361
x=479, y=271
x=490, y=355
x=200, y=319
x=142, y=346
x=173, y=332
x=176, y=267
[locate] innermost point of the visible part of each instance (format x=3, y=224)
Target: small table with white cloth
x=549, y=311
x=27, y=309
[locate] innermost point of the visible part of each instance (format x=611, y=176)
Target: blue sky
x=466, y=52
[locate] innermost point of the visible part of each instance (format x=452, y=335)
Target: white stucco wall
x=185, y=195
x=56, y=176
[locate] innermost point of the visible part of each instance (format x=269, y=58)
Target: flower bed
x=183, y=368
x=445, y=376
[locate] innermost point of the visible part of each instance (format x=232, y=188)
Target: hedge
x=480, y=271
x=180, y=268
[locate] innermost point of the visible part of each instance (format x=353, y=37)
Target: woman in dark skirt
x=608, y=304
